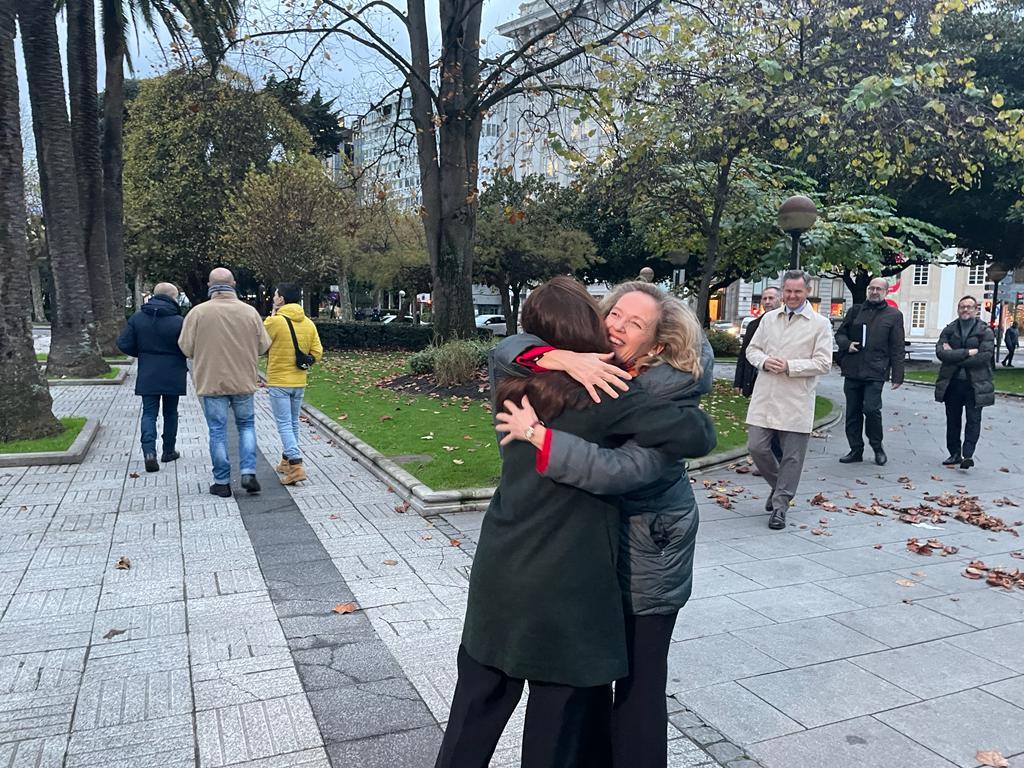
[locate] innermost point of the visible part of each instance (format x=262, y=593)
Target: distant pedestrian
x=293, y=341
x=964, y=384
x=793, y=346
x=746, y=374
x=871, y=348
x=1012, y=339
x=225, y=337
x=151, y=335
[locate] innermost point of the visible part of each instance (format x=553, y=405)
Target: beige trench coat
x=785, y=401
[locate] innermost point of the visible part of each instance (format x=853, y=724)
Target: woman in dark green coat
x=544, y=600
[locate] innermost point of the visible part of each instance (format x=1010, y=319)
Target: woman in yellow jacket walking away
x=294, y=342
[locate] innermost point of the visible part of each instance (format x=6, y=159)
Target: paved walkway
x=220, y=647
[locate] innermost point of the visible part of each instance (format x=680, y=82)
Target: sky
x=352, y=74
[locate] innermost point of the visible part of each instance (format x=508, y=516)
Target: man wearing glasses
x=871, y=349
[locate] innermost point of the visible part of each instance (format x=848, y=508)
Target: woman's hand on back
x=515, y=420
x=591, y=369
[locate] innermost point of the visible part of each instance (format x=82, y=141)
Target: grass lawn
x=41, y=357
x=108, y=375
x=455, y=434
x=1005, y=379
x=60, y=442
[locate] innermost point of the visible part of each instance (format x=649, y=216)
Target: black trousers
x=959, y=401
x=863, y=413
x=1008, y=360
x=639, y=715
x=566, y=727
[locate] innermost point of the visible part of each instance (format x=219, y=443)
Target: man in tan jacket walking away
x=790, y=349
x=225, y=337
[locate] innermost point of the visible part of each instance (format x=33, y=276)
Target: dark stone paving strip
x=367, y=710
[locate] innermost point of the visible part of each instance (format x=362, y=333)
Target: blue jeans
x=150, y=407
x=216, y=411
x=286, y=403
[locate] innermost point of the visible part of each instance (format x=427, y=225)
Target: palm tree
x=85, y=135
x=25, y=404
x=212, y=22
x=73, y=348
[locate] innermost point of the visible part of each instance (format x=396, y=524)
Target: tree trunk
x=112, y=150
x=73, y=348
x=140, y=287
x=36, y=281
x=448, y=167
x=344, y=293
x=85, y=121
x=858, y=285
x=26, y=410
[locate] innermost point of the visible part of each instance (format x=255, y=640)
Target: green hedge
x=336, y=334
x=723, y=343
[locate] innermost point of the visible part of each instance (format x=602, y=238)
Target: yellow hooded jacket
x=281, y=368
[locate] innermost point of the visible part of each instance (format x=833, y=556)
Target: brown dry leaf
x=123, y=564
x=742, y=470
x=342, y=416
x=820, y=532
x=936, y=477
x=402, y=508
x=1004, y=469
x=849, y=495
x=861, y=482
x=390, y=562
x=133, y=475
x=113, y=633
x=991, y=758
x=878, y=546
x=1005, y=502
x=332, y=517
x=456, y=543
x=906, y=583
x=823, y=520
x=345, y=608
x=819, y=499
x=903, y=479
x=1019, y=555
x=386, y=418
x=919, y=574
x=427, y=537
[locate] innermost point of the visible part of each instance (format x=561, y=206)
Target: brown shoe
x=294, y=474
x=282, y=465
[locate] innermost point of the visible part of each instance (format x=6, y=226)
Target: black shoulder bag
x=302, y=360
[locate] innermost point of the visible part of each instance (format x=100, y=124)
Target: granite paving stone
x=901, y=624
x=879, y=589
x=715, y=659
x=1011, y=690
x=737, y=713
x=856, y=743
x=783, y=571
x=959, y=725
x=808, y=641
x=999, y=644
x=799, y=601
x=982, y=609
x=826, y=693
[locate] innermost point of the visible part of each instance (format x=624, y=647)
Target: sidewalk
x=220, y=647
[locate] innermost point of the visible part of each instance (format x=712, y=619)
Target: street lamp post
x=995, y=273
x=797, y=214
x=646, y=275
x=401, y=301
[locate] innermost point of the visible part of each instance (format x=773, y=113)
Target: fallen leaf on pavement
x=345, y=608
x=390, y=562
x=991, y=758
x=123, y=564
x=936, y=477
x=1004, y=469
x=906, y=583
x=1019, y=555
x=820, y=532
x=402, y=508
x=903, y=479
x=1005, y=502
x=878, y=546
x=113, y=633
x=133, y=475
x=456, y=543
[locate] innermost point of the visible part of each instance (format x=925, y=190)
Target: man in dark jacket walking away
x=965, y=348
x=1012, y=338
x=870, y=341
x=151, y=335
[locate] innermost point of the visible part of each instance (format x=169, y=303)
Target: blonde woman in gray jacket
x=658, y=340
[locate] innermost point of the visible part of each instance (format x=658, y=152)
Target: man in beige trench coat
x=790, y=349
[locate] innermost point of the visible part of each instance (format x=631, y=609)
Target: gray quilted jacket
x=659, y=510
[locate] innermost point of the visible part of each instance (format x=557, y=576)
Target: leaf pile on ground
x=723, y=491
x=995, y=576
x=931, y=545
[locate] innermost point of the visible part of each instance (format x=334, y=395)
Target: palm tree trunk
x=85, y=135
x=73, y=349
x=26, y=410
x=112, y=149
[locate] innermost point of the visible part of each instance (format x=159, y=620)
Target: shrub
x=456, y=362
x=425, y=360
x=336, y=334
x=723, y=343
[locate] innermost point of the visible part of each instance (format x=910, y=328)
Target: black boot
x=221, y=489
x=967, y=462
x=250, y=483
x=880, y=457
x=171, y=455
x=952, y=460
x=151, y=463
x=852, y=457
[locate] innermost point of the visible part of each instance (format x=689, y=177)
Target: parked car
x=405, y=319
x=494, y=323
x=726, y=327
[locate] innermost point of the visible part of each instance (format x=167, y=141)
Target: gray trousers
x=783, y=475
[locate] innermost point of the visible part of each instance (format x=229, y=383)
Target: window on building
x=921, y=274
x=918, y=314
x=976, y=275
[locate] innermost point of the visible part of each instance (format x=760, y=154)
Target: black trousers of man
x=1008, y=360
x=565, y=727
x=640, y=714
x=863, y=413
x=959, y=401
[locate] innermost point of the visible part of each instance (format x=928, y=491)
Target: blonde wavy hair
x=678, y=335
